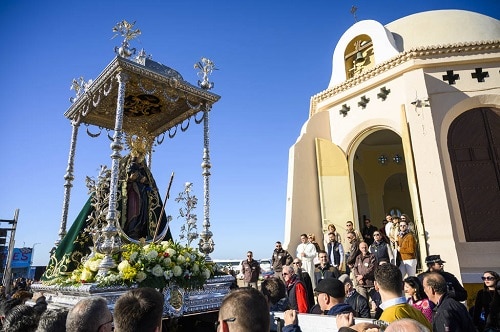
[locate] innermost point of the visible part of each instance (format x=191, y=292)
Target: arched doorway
x=380, y=179
x=474, y=148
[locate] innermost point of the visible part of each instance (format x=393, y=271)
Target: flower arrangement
x=149, y=265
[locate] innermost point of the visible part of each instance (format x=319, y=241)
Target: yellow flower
x=94, y=265
x=86, y=275
x=123, y=265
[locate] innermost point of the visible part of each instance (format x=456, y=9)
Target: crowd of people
x=429, y=304
x=360, y=278
x=375, y=273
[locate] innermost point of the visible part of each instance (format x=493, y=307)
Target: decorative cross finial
x=353, y=12
x=206, y=67
x=80, y=87
x=142, y=56
x=125, y=30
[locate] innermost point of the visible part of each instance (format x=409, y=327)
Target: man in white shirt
x=306, y=251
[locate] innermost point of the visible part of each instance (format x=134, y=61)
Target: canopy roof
x=156, y=98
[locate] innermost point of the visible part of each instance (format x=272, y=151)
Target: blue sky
x=272, y=57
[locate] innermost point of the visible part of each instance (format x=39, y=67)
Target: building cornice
x=419, y=53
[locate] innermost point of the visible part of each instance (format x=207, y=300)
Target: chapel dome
x=443, y=27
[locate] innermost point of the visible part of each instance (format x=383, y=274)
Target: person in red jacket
x=296, y=290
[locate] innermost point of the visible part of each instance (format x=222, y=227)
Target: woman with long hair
x=417, y=298
x=484, y=297
x=493, y=319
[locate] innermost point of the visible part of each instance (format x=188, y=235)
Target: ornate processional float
x=121, y=237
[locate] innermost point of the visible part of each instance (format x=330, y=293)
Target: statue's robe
x=142, y=204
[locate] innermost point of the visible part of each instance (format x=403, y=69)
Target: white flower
x=167, y=274
x=196, y=268
x=171, y=252
x=167, y=260
x=123, y=265
x=151, y=255
x=133, y=256
x=177, y=270
x=157, y=271
x=206, y=273
x=181, y=259
x=140, y=276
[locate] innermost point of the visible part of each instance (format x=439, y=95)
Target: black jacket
x=279, y=259
x=451, y=316
x=360, y=305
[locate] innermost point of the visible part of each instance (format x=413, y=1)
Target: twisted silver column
x=68, y=181
x=110, y=241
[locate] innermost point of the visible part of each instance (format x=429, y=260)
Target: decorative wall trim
x=424, y=52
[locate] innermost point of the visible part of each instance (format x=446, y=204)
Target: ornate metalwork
x=144, y=89
x=175, y=301
x=68, y=181
x=80, y=87
x=206, y=244
x=124, y=29
x=170, y=134
x=170, y=99
x=142, y=56
x=184, y=128
x=184, y=302
x=198, y=121
x=206, y=67
x=111, y=242
x=99, y=191
x=92, y=134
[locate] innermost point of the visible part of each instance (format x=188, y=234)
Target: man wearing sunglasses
x=251, y=271
x=436, y=264
x=280, y=258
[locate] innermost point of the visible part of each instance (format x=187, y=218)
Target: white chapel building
x=410, y=123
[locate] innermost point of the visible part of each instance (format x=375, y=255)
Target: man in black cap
x=331, y=293
x=455, y=289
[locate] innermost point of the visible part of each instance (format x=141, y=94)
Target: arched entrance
x=380, y=177
x=473, y=145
